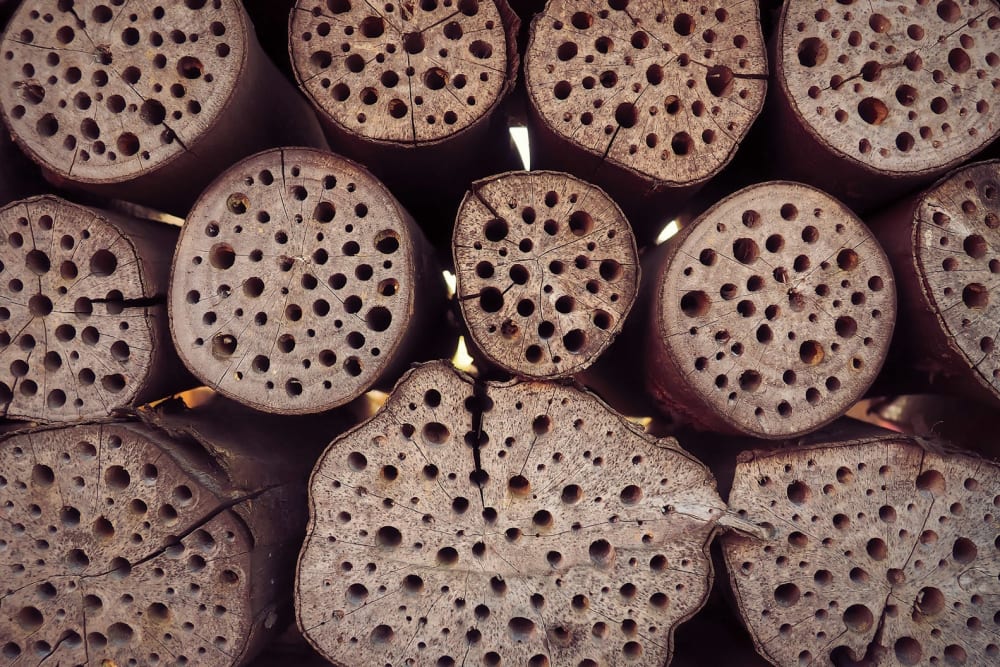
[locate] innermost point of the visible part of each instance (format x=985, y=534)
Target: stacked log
x=85, y=331
x=300, y=283
x=146, y=103
x=546, y=270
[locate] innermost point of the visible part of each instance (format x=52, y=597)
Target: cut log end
x=666, y=93
x=899, y=93
x=547, y=271
x=107, y=93
x=776, y=310
x=294, y=282
x=956, y=244
x=881, y=553
x=113, y=550
x=522, y=521
x=406, y=73
x=75, y=328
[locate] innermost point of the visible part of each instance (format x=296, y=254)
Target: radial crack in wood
x=520, y=523
x=945, y=249
x=547, y=271
x=888, y=94
x=299, y=283
x=883, y=552
x=770, y=315
x=124, y=547
x=143, y=101
x=82, y=322
x=644, y=95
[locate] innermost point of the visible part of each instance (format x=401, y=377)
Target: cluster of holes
x=927, y=520
x=84, y=507
x=429, y=514
x=551, y=282
x=783, y=313
x=292, y=284
x=848, y=64
x=598, y=79
x=90, y=100
x=959, y=257
x=65, y=355
x=411, y=72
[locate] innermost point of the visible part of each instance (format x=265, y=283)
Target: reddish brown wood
x=646, y=99
x=563, y=535
x=18, y=176
x=546, y=269
x=944, y=245
x=83, y=329
x=401, y=86
x=144, y=101
x=872, y=101
x=299, y=283
x=163, y=543
x=770, y=315
x=881, y=550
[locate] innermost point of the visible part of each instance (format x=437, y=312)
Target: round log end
x=293, y=286
x=774, y=313
x=570, y=538
x=76, y=334
x=956, y=252
x=664, y=92
x=402, y=73
x=115, y=553
x=898, y=93
x=547, y=271
x=106, y=93
x=879, y=552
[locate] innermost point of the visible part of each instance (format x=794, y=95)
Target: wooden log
x=167, y=542
x=546, y=269
x=770, y=315
x=882, y=550
x=589, y=542
x=409, y=85
x=144, y=101
x=300, y=283
x=944, y=245
x=645, y=100
x=871, y=102
x=83, y=327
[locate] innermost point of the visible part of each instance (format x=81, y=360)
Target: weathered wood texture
x=402, y=86
x=299, y=283
x=647, y=100
x=19, y=177
x=547, y=271
x=556, y=533
x=167, y=543
x=944, y=245
x=144, y=101
x=770, y=315
x=872, y=100
x=882, y=551
x=83, y=326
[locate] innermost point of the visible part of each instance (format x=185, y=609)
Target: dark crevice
x=144, y=302
x=478, y=404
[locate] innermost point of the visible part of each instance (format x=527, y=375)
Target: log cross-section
x=521, y=524
x=882, y=552
x=547, y=271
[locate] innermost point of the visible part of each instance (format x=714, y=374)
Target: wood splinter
x=521, y=524
x=299, y=283
x=770, y=315
x=646, y=99
x=883, y=550
x=83, y=330
x=546, y=269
